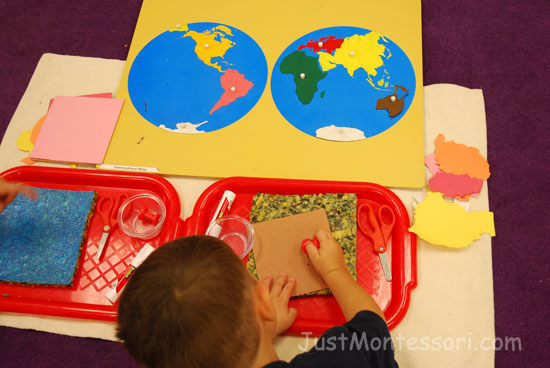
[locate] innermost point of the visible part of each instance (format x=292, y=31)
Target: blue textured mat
x=40, y=240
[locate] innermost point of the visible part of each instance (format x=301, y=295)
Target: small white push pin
x=302, y=75
x=352, y=53
x=320, y=44
x=392, y=98
x=233, y=89
x=206, y=45
x=178, y=26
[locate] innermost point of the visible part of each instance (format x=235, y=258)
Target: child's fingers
x=288, y=289
x=324, y=237
x=28, y=192
x=8, y=198
x=292, y=314
x=267, y=281
x=10, y=191
x=278, y=284
x=312, y=250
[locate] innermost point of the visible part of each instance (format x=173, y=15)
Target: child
x=192, y=303
x=9, y=191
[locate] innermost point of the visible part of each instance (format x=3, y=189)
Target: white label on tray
x=128, y=168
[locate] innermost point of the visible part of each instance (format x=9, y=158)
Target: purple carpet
x=495, y=45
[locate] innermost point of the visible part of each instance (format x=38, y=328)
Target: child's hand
x=9, y=191
x=329, y=257
x=280, y=292
x=329, y=262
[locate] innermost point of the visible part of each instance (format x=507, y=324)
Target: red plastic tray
x=86, y=298
x=317, y=314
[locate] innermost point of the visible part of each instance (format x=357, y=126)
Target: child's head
x=190, y=304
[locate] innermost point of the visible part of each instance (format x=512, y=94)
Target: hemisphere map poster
x=303, y=90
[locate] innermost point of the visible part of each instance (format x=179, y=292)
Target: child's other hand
x=329, y=257
x=9, y=191
x=280, y=291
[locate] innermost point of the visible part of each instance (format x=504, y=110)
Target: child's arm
x=9, y=191
x=329, y=262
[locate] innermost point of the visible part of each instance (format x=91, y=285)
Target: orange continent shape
x=459, y=159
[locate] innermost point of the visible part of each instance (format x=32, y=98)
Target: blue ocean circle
x=342, y=101
x=172, y=88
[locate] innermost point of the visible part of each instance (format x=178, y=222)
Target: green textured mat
x=341, y=213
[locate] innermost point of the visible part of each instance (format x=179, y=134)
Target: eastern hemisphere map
x=197, y=78
x=343, y=83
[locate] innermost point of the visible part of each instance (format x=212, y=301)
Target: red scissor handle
x=114, y=213
x=387, y=221
x=104, y=208
x=108, y=210
x=315, y=242
x=377, y=228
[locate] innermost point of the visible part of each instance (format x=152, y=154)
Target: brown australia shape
x=393, y=103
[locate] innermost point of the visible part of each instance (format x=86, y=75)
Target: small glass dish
x=235, y=231
x=142, y=216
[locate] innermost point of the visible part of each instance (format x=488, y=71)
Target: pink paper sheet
x=35, y=131
x=77, y=129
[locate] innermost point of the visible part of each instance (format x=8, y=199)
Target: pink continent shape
x=432, y=164
x=453, y=185
x=232, y=78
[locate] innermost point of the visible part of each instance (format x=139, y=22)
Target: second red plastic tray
x=317, y=314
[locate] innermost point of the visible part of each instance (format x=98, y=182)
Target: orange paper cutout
x=459, y=159
x=32, y=138
x=36, y=130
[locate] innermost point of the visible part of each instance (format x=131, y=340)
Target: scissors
x=107, y=207
x=378, y=228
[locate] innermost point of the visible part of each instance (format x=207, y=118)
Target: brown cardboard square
x=278, y=249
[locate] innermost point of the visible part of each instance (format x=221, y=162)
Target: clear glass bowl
x=235, y=231
x=133, y=223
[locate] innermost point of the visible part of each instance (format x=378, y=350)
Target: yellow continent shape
x=357, y=51
x=449, y=224
x=224, y=29
x=24, y=142
x=215, y=48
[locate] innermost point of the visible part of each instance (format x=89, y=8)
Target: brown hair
x=190, y=304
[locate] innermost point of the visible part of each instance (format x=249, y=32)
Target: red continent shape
x=330, y=44
x=232, y=78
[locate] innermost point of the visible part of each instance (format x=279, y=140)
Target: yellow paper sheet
x=449, y=224
x=262, y=143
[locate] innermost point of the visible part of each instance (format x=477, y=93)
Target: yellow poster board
x=263, y=143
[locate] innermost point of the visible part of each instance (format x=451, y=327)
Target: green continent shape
x=297, y=63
